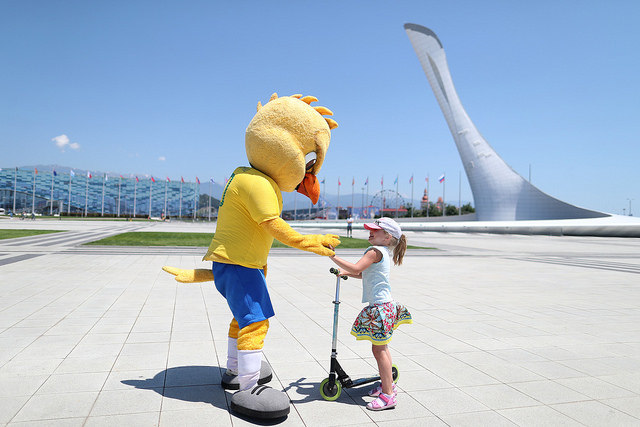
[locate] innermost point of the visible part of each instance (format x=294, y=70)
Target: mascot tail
x=190, y=276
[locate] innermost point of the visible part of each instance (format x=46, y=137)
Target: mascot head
x=287, y=140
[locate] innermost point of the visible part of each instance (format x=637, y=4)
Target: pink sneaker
x=375, y=392
x=382, y=402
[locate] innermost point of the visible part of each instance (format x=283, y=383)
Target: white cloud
x=162, y=158
x=63, y=142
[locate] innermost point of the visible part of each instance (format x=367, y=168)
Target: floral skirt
x=377, y=322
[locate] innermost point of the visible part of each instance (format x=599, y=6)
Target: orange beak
x=310, y=187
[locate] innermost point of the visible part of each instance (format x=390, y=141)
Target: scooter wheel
x=330, y=393
x=395, y=373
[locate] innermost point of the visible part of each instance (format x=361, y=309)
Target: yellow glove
x=190, y=276
x=317, y=243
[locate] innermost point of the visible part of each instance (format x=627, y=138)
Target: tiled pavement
x=508, y=330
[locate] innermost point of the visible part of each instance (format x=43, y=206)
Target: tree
x=467, y=209
x=433, y=210
x=451, y=210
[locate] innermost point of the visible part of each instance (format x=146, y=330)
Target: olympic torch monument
x=500, y=194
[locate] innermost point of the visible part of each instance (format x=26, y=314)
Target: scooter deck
x=345, y=380
x=361, y=381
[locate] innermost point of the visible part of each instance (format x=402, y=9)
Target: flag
x=367, y=181
x=411, y=179
x=197, y=180
x=211, y=179
x=122, y=177
x=71, y=172
x=339, y=183
x=137, y=180
x=106, y=177
x=168, y=180
x=353, y=182
x=182, y=180
x=427, y=179
x=152, y=180
x=88, y=174
x=54, y=173
x=382, y=181
x=322, y=182
x=396, y=181
x=441, y=179
x=36, y=170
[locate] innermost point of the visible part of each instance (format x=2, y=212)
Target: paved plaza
x=508, y=330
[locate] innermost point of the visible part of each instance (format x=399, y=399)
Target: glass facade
x=22, y=190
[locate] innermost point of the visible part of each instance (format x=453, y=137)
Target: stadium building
x=80, y=193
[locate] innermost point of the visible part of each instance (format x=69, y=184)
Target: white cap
x=386, y=224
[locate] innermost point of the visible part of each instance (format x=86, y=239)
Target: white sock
x=232, y=355
x=249, y=363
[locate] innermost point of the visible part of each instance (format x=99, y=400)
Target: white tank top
x=376, y=288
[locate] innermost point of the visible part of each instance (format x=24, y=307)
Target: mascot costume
x=286, y=143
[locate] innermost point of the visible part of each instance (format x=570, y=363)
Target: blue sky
x=168, y=87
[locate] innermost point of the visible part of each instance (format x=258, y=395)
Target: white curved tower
x=499, y=192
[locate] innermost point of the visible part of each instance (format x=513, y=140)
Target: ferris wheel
x=388, y=199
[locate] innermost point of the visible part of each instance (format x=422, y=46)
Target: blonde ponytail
x=399, y=249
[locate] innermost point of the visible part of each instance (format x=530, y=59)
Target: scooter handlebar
x=335, y=271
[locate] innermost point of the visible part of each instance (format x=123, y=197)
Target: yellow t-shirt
x=249, y=199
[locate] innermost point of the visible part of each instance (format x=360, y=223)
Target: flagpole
x=53, y=173
x=367, y=199
x=382, y=196
x=165, y=197
x=180, y=206
x=413, y=208
x=135, y=189
x=150, y=187
x=15, y=189
x=428, y=201
x=195, y=195
x=353, y=183
x=119, y=183
x=33, y=199
x=69, y=204
x=104, y=178
x=396, y=196
x=86, y=195
x=338, y=203
x=324, y=200
x=444, y=204
x=210, y=193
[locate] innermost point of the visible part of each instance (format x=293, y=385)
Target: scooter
x=331, y=387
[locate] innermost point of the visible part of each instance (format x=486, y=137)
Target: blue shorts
x=246, y=292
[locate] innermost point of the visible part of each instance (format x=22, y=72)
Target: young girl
x=377, y=321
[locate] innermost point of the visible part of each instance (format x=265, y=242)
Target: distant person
x=350, y=226
x=33, y=216
x=377, y=321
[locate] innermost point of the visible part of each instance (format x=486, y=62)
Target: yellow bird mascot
x=286, y=143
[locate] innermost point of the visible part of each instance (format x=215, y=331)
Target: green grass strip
x=15, y=233
x=141, y=238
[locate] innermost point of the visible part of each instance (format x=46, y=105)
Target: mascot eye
x=310, y=160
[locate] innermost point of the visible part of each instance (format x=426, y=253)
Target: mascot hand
x=320, y=244
x=316, y=243
x=190, y=276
